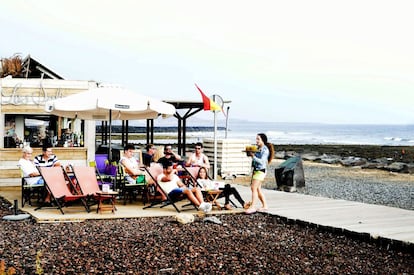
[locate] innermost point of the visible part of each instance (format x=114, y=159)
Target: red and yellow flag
x=209, y=104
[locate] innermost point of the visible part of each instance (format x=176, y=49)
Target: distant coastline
x=160, y=129
x=281, y=133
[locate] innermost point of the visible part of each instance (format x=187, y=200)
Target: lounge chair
x=101, y=178
x=30, y=191
x=193, y=174
x=153, y=172
x=131, y=190
x=153, y=194
x=57, y=186
x=88, y=184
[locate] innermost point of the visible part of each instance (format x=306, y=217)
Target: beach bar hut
x=24, y=121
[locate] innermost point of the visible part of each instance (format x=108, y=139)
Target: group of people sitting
x=170, y=181
x=29, y=166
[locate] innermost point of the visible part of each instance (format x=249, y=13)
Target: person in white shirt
x=131, y=164
x=28, y=168
x=198, y=158
x=173, y=186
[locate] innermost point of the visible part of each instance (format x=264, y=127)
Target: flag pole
x=227, y=121
x=215, y=144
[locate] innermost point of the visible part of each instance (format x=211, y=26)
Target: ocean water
x=307, y=133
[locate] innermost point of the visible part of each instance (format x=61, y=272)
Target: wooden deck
x=375, y=221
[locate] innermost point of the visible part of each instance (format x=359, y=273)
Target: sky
x=323, y=61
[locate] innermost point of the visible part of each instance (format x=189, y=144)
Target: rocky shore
x=398, y=159
x=350, y=183
x=242, y=244
x=343, y=172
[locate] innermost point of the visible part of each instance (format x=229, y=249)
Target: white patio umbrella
x=109, y=103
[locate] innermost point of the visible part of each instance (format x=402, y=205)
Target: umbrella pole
x=110, y=135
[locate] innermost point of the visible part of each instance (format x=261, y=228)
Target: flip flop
x=250, y=211
x=247, y=205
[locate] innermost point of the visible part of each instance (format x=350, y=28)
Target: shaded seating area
x=60, y=189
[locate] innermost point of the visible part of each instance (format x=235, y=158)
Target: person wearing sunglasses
x=169, y=155
x=198, y=158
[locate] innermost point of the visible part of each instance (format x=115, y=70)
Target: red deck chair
x=154, y=195
x=58, y=188
x=86, y=179
x=193, y=173
x=153, y=172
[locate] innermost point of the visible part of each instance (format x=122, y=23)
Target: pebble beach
x=241, y=244
x=352, y=183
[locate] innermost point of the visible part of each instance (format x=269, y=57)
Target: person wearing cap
x=174, y=187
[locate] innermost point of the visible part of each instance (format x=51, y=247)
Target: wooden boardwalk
x=375, y=221
x=379, y=222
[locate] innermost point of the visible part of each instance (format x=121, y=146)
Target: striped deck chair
x=88, y=184
x=57, y=186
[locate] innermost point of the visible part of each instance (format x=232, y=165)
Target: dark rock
x=330, y=159
x=410, y=168
x=399, y=167
x=372, y=165
x=353, y=161
x=314, y=156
